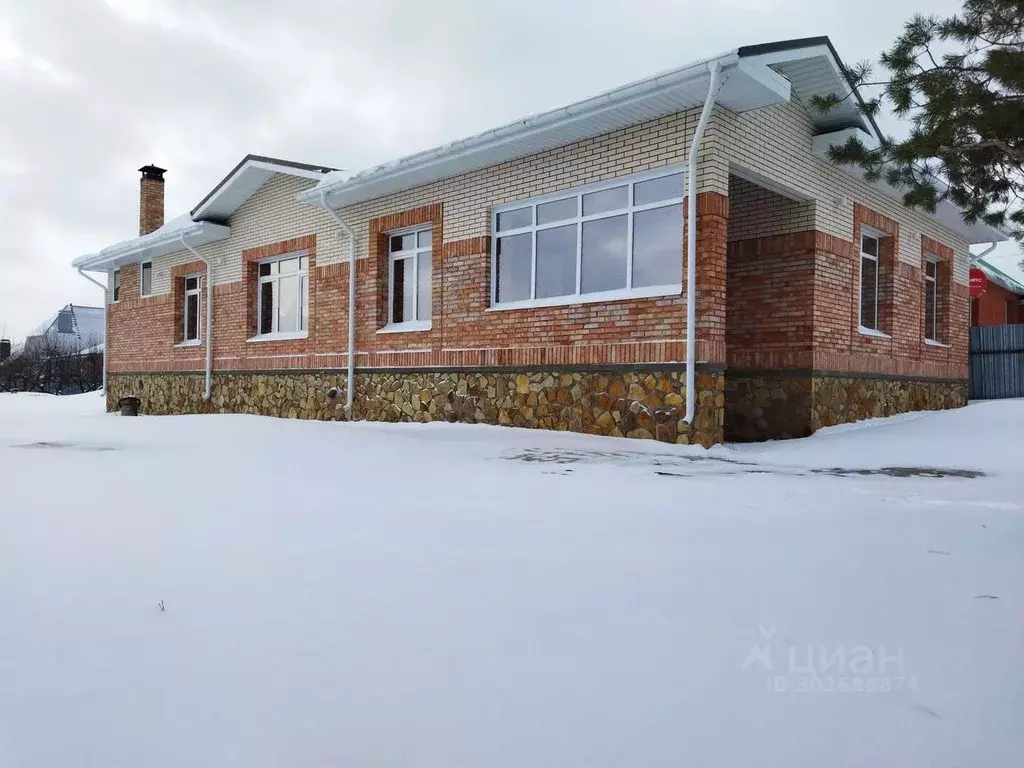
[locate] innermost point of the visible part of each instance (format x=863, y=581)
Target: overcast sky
x=92, y=89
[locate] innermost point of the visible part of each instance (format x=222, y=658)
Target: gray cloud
x=92, y=89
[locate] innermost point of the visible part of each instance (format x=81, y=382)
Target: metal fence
x=997, y=362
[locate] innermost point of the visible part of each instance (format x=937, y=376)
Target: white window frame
x=198, y=293
x=934, y=288
x=415, y=253
x=878, y=237
x=142, y=268
x=115, y=287
x=578, y=297
x=274, y=334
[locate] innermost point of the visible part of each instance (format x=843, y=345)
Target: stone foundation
x=769, y=405
x=623, y=403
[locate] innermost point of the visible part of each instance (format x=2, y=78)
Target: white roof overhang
x=167, y=239
x=745, y=87
x=244, y=180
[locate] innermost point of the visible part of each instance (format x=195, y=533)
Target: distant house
x=1002, y=303
x=74, y=329
x=64, y=356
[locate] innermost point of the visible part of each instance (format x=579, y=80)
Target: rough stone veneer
x=628, y=403
x=766, y=405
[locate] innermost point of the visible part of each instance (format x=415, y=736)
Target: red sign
x=979, y=282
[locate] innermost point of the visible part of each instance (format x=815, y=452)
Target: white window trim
x=578, y=297
x=142, y=266
x=414, y=254
x=878, y=236
x=260, y=280
x=933, y=340
x=115, y=287
x=287, y=336
x=864, y=331
x=198, y=293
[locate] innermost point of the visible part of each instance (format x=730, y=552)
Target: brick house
x=1002, y=303
x=537, y=274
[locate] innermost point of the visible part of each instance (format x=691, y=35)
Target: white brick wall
x=758, y=212
x=775, y=143
x=272, y=214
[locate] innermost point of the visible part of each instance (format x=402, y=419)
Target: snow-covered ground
x=446, y=596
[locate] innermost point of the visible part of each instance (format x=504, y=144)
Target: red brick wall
x=464, y=332
x=793, y=303
x=995, y=305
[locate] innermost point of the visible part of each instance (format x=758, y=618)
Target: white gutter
x=209, y=315
x=350, y=386
x=593, y=107
x=106, y=298
x=983, y=254
x=691, y=243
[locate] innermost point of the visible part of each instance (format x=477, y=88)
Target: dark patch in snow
x=902, y=472
x=72, y=446
x=937, y=552
x=729, y=466
x=986, y=597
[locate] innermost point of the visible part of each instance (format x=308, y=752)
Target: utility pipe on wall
x=691, y=242
x=209, y=316
x=350, y=387
x=983, y=254
x=106, y=299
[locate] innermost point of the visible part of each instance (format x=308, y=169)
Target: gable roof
x=206, y=223
x=243, y=181
x=752, y=77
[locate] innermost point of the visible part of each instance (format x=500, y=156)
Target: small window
x=612, y=240
x=117, y=284
x=869, y=282
x=282, y=297
x=931, y=300
x=192, y=309
x=410, y=273
x=146, y=278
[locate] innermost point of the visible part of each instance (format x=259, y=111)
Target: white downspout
x=209, y=316
x=350, y=386
x=691, y=243
x=106, y=299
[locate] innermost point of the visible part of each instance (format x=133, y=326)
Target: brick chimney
x=151, y=199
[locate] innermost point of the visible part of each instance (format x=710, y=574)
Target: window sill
x=624, y=294
x=406, y=327
x=872, y=332
x=196, y=343
x=933, y=343
x=279, y=336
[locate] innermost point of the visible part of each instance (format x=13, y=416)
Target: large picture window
x=869, y=281
x=409, y=283
x=283, y=303
x=617, y=239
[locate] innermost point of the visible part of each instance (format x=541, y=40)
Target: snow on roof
x=86, y=326
x=1005, y=270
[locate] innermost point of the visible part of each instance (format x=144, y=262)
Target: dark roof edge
x=259, y=159
x=807, y=42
